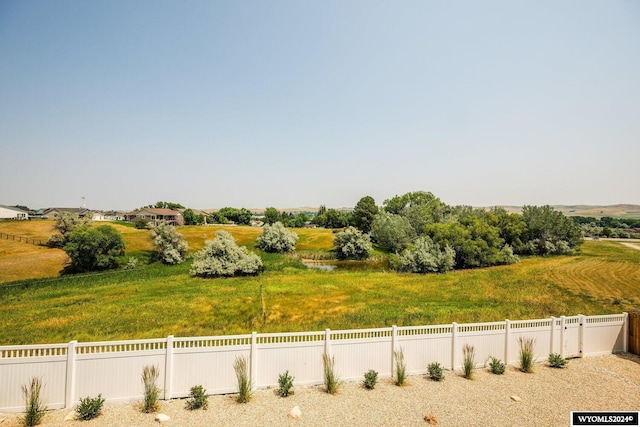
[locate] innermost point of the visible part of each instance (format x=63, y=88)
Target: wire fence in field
x=29, y=240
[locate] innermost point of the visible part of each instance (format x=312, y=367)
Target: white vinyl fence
x=114, y=369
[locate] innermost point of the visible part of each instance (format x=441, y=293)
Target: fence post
x=327, y=342
x=507, y=333
x=625, y=333
x=254, y=359
x=583, y=321
x=454, y=334
x=563, y=326
x=70, y=387
x=551, y=334
x=394, y=336
x=168, y=368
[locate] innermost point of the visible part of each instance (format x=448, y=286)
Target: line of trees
x=608, y=227
x=425, y=234
x=420, y=232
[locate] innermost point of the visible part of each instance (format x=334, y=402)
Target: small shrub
x=151, y=392
x=276, y=238
x=496, y=366
x=131, y=264
x=89, y=408
x=170, y=246
x=285, y=381
x=426, y=256
x=244, y=382
x=370, y=379
x=92, y=249
x=557, y=361
x=526, y=354
x=221, y=257
x=468, y=361
x=435, y=371
x=141, y=223
x=197, y=398
x=331, y=380
x=34, y=407
x=401, y=367
x=352, y=244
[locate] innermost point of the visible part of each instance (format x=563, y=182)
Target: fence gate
x=634, y=332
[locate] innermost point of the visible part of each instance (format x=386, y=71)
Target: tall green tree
x=335, y=219
x=393, y=232
x=240, y=216
x=271, y=216
x=191, y=218
x=168, y=205
x=512, y=227
x=364, y=213
x=549, y=231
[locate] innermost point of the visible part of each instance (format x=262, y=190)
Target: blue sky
x=303, y=103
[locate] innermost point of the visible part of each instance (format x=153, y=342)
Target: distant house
x=10, y=212
x=52, y=213
x=155, y=216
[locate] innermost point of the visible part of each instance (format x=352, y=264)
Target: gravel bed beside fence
x=547, y=398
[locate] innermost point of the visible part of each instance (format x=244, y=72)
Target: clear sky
x=302, y=103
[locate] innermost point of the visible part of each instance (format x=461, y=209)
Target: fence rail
x=5, y=236
x=113, y=369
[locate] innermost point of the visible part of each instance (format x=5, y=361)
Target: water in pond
x=321, y=265
x=347, y=265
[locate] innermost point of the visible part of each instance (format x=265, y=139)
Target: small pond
x=347, y=265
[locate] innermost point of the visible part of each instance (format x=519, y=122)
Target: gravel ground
x=547, y=398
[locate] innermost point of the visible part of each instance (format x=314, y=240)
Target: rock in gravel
x=161, y=418
x=515, y=398
x=71, y=416
x=431, y=420
x=295, y=413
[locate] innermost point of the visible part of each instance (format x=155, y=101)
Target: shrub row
x=89, y=407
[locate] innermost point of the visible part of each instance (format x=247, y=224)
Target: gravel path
x=547, y=398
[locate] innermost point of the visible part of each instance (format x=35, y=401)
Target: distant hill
x=617, y=211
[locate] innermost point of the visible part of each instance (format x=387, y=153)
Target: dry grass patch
x=20, y=261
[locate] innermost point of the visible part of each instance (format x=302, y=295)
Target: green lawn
x=156, y=301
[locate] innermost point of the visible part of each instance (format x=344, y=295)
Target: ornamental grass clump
x=151, y=402
x=370, y=379
x=244, y=382
x=526, y=354
x=197, y=398
x=496, y=366
x=557, y=361
x=468, y=361
x=34, y=407
x=331, y=380
x=401, y=367
x=285, y=381
x=435, y=371
x=89, y=408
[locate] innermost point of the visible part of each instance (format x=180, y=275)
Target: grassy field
x=156, y=300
